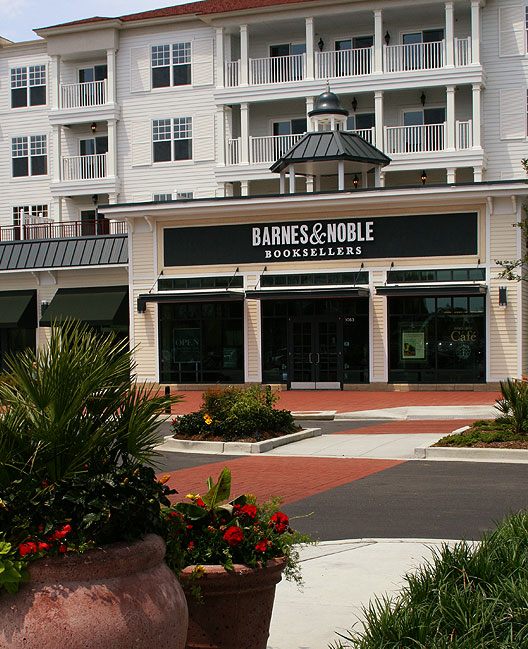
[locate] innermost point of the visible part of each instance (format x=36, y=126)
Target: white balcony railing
x=270, y=148
x=343, y=63
x=233, y=151
x=277, y=69
x=464, y=135
x=82, y=95
x=232, y=74
x=415, y=139
x=366, y=133
x=84, y=167
x=462, y=51
x=416, y=56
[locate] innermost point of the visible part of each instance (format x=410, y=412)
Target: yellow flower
x=164, y=478
x=208, y=419
x=199, y=571
x=191, y=496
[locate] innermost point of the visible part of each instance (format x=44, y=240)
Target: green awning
x=102, y=305
x=419, y=290
x=18, y=309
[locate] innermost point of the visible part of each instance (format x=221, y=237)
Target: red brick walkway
x=342, y=401
x=442, y=427
x=291, y=478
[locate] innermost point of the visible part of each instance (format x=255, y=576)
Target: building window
x=171, y=65
x=161, y=198
x=30, y=215
x=361, y=121
x=290, y=126
x=172, y=139
x=29, y=155
x=94, y=73
x=28, y=86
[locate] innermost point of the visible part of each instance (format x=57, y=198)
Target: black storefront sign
x=428, y=235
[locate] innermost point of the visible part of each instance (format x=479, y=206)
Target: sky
x=19, y=17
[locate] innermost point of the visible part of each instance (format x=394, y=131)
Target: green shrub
x=235, y=413
x=470, y=596
x=514, y=405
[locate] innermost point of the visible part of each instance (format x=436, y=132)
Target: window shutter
x=202, y=62
x=512, y=28
x=513, y=114
x=203, y=137
x=140, y=76
x=141, y=144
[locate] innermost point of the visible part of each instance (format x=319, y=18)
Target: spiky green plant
x=513, y=406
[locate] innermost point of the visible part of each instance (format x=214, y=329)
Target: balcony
x=31, y=230
x=425, y=138
x=84, y=167
x=83, y=95
x=343, y=63
x=277, y=69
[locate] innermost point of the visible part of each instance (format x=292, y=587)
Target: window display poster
x=413, y=345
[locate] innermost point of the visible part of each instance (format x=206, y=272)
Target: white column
x=220, y=57
x=292, y=179
x=476, y=116
x=221, y=134
x=111, y=156
x=282, y=182
x=449, y=34
x=450, y=103
x=57, y=161
x=111, y=81
x=378, y=111
x=309, y=184
x=55, y=82
x=477, y=174
x=379, y=177
x=244, y=56
x=244, y=187
x=112, y=199
x=244, y=134
x=378, y=41
x=341, y=174
x=310, y=49
x=309, y=108
x=451, y=175
x=475, y=32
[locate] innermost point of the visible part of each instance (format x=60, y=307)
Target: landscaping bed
x=486, y=434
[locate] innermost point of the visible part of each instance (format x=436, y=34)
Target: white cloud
x=13, y=8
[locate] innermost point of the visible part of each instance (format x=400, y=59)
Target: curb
x=233, y=448
x=513, y=455
x=315, y=415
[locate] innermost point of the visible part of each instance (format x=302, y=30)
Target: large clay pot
x=236, y=609
x=118, y=597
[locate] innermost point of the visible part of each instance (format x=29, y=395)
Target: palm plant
x=513, y=405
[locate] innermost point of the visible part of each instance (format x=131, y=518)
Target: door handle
x=318, y=358
x=310, y=357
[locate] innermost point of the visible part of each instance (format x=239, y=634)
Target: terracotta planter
x=119, y=597
x=236, y=608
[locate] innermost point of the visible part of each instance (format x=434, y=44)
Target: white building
x=112, y=125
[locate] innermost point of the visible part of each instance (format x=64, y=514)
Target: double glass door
x=315, y=353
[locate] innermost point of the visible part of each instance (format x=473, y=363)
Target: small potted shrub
x=81, y=559
x=230, y=554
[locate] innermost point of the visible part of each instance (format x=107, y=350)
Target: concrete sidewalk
x=340, y=577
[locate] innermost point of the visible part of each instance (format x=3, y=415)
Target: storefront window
x=13, y=341
x=437, y=340
x=201, y=342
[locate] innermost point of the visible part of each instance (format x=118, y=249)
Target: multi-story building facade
x=127, y=140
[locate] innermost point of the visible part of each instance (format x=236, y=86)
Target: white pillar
x=111, y=156
x=476, y=116
x=477, y=174
x=244, y=134
x=282, y=182
x=378, y=41
x=310, y=49
x=309, y=184
x=111, y=74
x=55, y=82
x=244, y=187
x=292, y=179
x=451, y=175
x=341, y=174
x=221, y=134
x=379, y=126
x=450, y=103
x=450, y=34
x=379, y=177
x=112, y=199
x=220, y=57
x=57, y=161
x=244, y=56
x=309, y=108
x=475, y=32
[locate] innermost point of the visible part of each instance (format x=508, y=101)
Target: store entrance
x=315, y=354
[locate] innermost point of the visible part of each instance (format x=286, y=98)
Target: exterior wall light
x=320, y=44
x=423, y=98
x=356, y=181
x=43, y=306
x=354, y=104
x=424, y=177
x=503, y=297
x=387, y=38
x=93, y=127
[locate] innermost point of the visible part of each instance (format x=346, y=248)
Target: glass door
x=315, y=354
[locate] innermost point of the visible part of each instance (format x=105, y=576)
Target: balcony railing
x=464, y=135
x=277, y=69
x=270, y=148
x=82, y=95
x=462, y=51
x=84, y=167
x=233, y=151
x=366, y=133
x=63, y=230
x=232, y=74
x=416, y=56
x=343, y=63
x=415, y=139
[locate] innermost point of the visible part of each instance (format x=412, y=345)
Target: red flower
x=27, y=548
x=249, y=510
x=261, y=546
x=43, y=546
x=60, y=534
x=234, y=535
x=62, y=548
x=280, y=522
x=200, y=502
x=190, y=547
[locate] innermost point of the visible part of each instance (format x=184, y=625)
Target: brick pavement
x=291, y=478
x=442, y=427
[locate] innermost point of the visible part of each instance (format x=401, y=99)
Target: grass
x=483, y=432
x=470, y=596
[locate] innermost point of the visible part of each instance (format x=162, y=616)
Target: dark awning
x=191, y=296
x=307, y=293
x=102, y=305
x=18, y=309
x=432, y=289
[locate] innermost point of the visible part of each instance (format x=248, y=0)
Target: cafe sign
x=366, y=238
